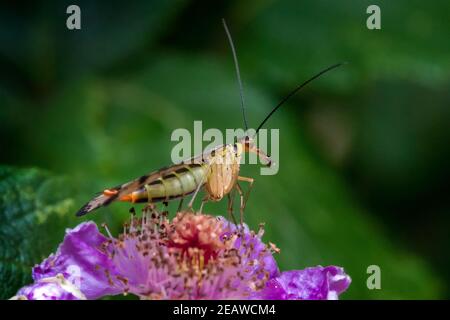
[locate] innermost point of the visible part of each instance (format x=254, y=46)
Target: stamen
x=190, y=256
x=274, y=248
x=105, y=226
x=261, y=230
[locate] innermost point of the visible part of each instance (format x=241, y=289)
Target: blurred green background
x=364, y=174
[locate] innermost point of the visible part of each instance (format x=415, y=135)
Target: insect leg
x=241, y=194
x=204, y=200
x=150, y=205
x=198, y=189
x=180, y=205
x=250, y=185
x=230, y=207
x=195, y=194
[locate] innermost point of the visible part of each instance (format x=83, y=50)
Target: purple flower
x=194, y=256
x=317, y=283
x=79, y=260
x=51, y=288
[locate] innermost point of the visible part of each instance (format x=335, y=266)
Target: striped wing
x=109, y=195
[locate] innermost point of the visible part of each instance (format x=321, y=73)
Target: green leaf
x=35, y=209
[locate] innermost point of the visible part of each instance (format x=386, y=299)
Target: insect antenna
x=293, y=92
x=238, y=74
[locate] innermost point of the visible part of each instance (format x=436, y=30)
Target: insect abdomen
x=173, y=185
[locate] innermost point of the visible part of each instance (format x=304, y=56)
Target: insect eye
x=235, y=146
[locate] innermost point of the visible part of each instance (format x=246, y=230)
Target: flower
x=78, y=260
x=317, y=283
x=193, y=256
x=51, y=288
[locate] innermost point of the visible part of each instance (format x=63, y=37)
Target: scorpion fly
x=216, y=170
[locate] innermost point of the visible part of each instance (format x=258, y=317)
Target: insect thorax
x=224, y=170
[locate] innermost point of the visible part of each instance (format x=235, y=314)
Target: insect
x=216, y=170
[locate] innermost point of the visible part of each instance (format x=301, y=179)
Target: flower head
x=192, y=256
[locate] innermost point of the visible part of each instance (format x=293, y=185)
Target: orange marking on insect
x=110, y=193
x=127, y=198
